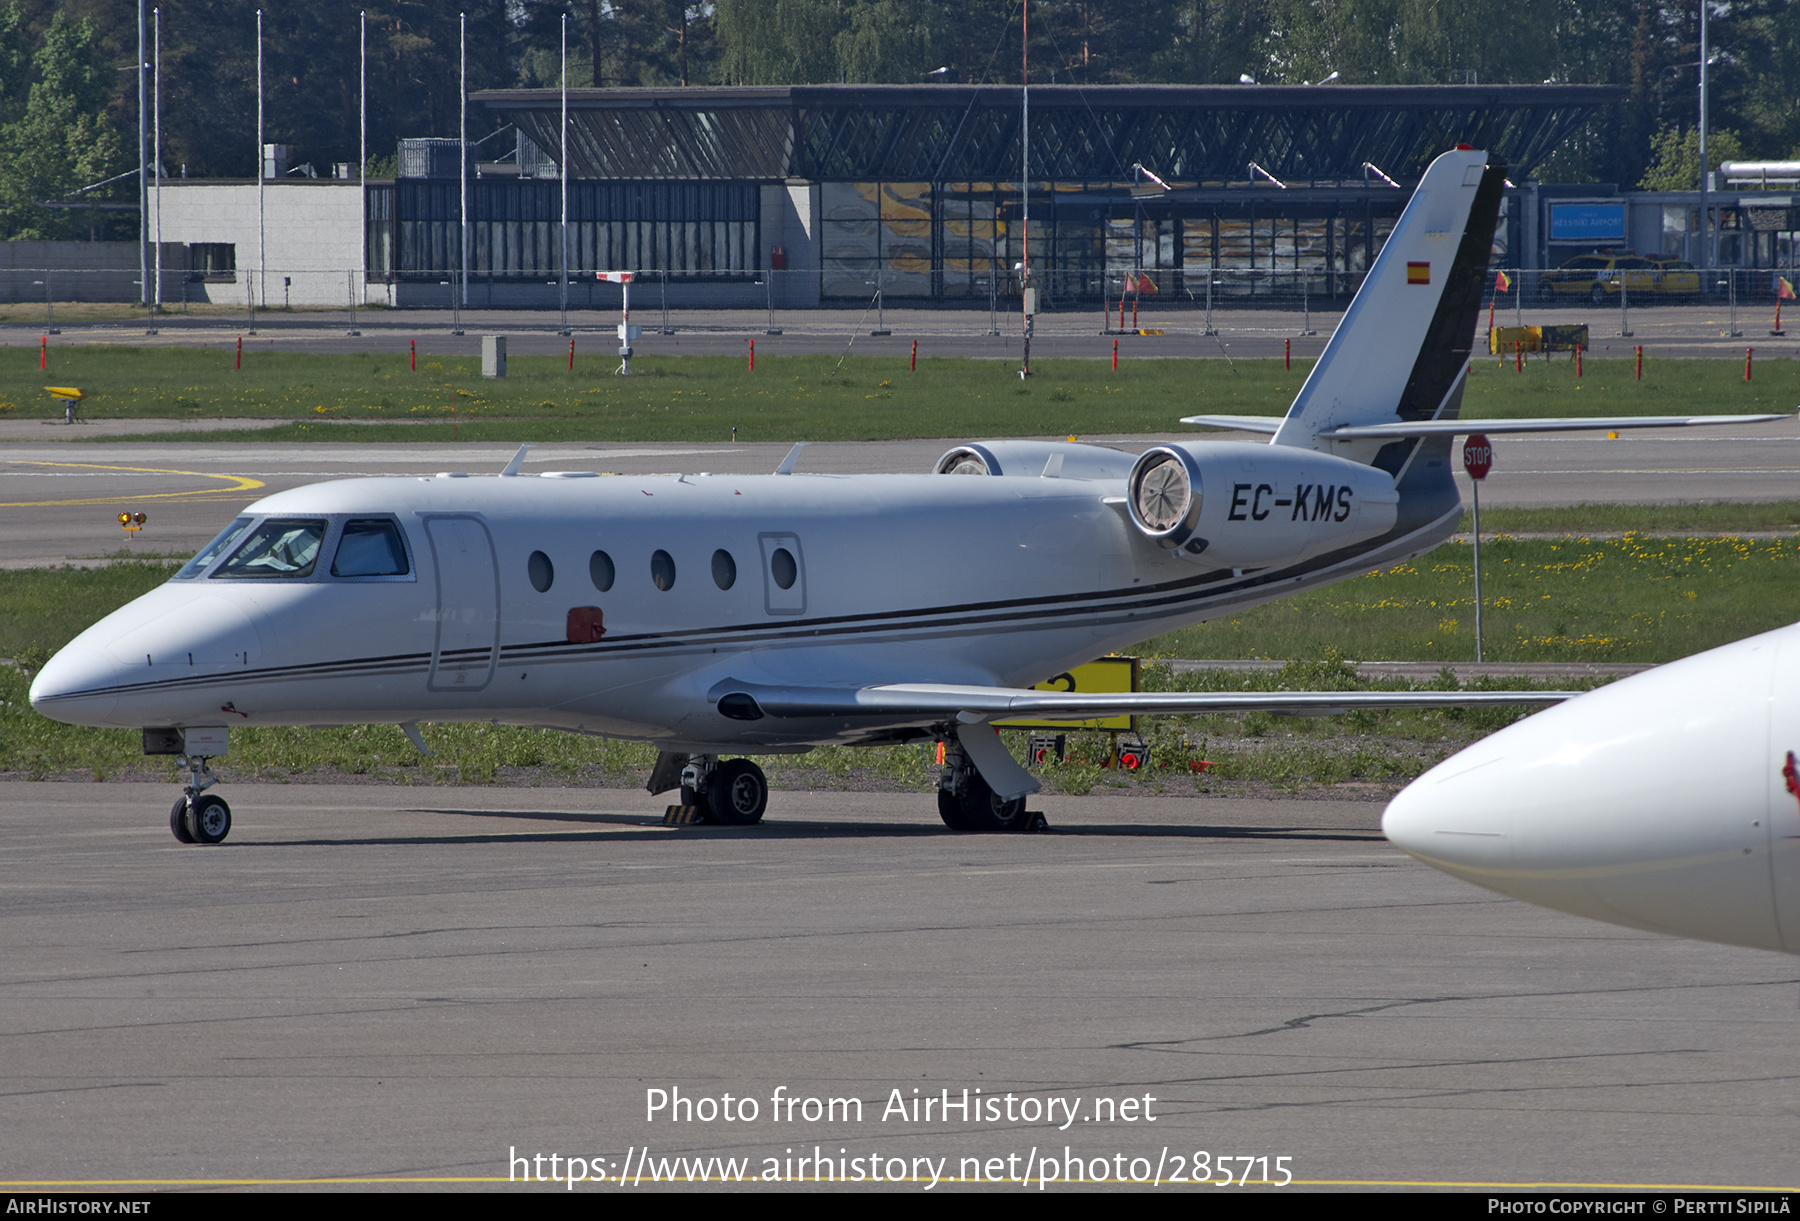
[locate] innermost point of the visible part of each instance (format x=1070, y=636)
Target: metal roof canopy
x=943, y=133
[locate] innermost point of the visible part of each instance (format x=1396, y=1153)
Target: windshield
x=277, y=548
x=213, y=550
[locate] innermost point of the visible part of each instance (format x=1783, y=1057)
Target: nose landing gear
x=197, y=819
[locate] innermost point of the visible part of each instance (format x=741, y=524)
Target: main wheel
x=737, y=793
x=982, y=811
x=951, y=811
x=178, y=820
x=209, y=820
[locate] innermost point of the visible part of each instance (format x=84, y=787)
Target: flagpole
x=143, y=184
x=262, y=252
x=462, y=147
x=362, y=169
x=156, y=166
x=562, y=172
x=1025, y=293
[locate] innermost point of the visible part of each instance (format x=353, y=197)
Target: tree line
x=68, y=92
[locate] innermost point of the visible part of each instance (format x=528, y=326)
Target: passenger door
x=468, y=604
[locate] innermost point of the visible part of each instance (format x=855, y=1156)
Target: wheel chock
x=1035, y=822
x=678, y=816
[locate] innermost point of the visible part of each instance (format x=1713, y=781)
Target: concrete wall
x=311, y=234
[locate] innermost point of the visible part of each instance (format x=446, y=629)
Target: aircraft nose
x=1646, y=803
x=78, y=685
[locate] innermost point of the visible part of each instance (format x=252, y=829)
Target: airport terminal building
x=795, y=197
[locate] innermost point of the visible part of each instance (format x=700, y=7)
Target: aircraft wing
x=967, y=704
x=1457, y=428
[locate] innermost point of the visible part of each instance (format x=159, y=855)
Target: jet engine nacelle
x=1232, y=504
x=1061, y=459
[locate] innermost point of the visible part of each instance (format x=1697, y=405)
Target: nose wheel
x=205, y=820
x=209, y=820
x=196, y=817
x=178, y=820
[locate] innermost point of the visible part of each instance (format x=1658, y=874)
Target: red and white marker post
x=1478, y=460
x=627, y=332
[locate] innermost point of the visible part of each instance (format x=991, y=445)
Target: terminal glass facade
x=705, y=230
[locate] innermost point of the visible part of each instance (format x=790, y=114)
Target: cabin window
x=370, y=549
x=662, y=570
x=541, y=571
x=601, y=571
x=724, y=569
x=783, y=568
x=278, y=548
x=213, y=550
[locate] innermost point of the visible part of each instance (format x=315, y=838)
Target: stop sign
x=1478, y=456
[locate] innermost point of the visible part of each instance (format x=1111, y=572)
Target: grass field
x=787, y=398
x=1775, y=515
x=1643, y=598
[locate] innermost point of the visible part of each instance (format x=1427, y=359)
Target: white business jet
x=715, y=615
x=1669, y=801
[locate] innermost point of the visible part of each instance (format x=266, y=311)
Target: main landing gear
x=733, y=793
x=967, y=803
x=198, y=818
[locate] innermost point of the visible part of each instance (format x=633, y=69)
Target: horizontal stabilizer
x=1457, y=428
x=902, y=703
x=1242, y=423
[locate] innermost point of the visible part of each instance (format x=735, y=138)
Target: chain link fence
x=1106, y=301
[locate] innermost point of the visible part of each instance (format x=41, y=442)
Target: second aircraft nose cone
x=1645, y=803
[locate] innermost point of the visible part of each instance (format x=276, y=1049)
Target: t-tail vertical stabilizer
x=1402, y=349
x=1401, y=353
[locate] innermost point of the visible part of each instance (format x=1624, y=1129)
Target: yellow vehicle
x=1597, y=277
x=1675, y=278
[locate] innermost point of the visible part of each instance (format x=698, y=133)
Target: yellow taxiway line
x=239, y=483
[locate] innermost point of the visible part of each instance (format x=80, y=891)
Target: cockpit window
x=370, y=549
x=214, y=549
x=280, y=547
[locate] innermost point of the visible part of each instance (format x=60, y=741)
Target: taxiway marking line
x=240, y=483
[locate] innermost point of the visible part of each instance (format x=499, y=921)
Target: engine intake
x=1061, y=459
x=1242, y=505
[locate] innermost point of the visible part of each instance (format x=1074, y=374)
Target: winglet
x=787, y=463
x=518, y=460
